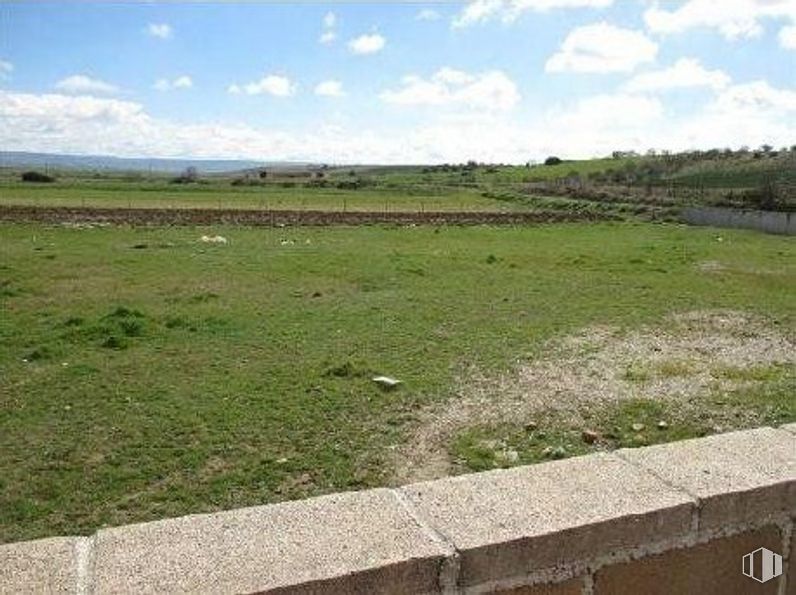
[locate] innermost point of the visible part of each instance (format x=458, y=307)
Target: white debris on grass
x=386, y=381
x=213, y=239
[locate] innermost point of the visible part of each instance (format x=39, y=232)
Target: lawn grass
x=146, y=374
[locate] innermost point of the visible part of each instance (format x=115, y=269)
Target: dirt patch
x=691, y=355
x=85, y=217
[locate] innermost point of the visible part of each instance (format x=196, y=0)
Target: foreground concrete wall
x=767, y=221
x=675, y=518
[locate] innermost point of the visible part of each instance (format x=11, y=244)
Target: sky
x=502, y=81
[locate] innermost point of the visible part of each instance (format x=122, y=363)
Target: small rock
x=637, y=427
x=282, y=461
x=512, y=456
x=662, y=425
x=531, y=426
x=557, y=452
x=67, y=407
x=717, y=429
x=590, y=436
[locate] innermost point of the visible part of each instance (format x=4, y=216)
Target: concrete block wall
x=668, y=519
x=776, y=222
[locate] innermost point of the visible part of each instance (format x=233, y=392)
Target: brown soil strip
x=689, y=356
x=278, y=218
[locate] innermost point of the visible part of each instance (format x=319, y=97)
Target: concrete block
x=507, y=523
x=738, y=477
x=789, y=428
x=712, y=567
x=42, y=566
x=571, y=587
x=361, y=542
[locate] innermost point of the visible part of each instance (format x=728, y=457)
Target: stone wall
x=668, y=519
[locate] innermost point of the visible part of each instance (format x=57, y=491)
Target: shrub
x=36, y=176
x=552, y=160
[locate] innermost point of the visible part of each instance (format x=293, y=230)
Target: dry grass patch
x=691, y=356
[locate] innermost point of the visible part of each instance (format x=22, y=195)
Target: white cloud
x=734, y=19
x=159, y=30
x=367, y=44
x=508, y=11
x=327, y=37
x=272, y=84
x=329, y=88
x=181, y=82
x=491, y=90
x=756, y=96
x=602, y=47
x=686, y=72
x=787, y=37
x=80, y=83
x=751, y=113
x=6, y=68
x=428, y=14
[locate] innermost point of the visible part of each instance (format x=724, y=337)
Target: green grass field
x=409, y=188
x=220, y=194
x=146, y=374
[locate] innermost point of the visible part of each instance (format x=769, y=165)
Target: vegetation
x=655, y=185
x=35, y=176
x=148, y=374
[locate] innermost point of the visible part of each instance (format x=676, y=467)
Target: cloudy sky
x=492, y=80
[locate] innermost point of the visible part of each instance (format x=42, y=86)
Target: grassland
x=652, y=186
x=218, y=193
x=146, y=374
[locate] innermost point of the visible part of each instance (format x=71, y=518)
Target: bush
x=186, y=177
x=35, y=176
x=552, y=161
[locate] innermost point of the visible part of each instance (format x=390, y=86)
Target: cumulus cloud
x=328, y=35
x=734, y=19
x=750, y=113
x=609, y=120
x=508, y=11
x=787, y=37
x=367, y=44
x=159, y=30
x=427, y=14
x=80, y=83
x=602, y=47
x=329, y=88
x=686, y=72
x=181, y=82
x=6, y=68
x=272, y=84
x=491, y=90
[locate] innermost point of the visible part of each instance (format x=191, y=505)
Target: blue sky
x=493, y=80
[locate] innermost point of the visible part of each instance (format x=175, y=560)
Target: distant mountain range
x=42, y=161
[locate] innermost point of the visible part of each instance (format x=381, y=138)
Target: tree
x=552, y=160
x=35, y=176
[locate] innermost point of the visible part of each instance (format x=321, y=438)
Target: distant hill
x=17, y=159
